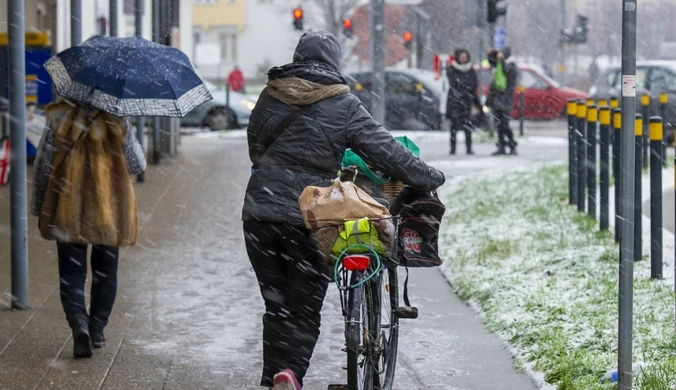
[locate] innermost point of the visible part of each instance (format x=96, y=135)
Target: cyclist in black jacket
x=302, y=124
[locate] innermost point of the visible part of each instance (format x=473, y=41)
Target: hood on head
x=507, y=52
x=319, y=46
x=459, y=52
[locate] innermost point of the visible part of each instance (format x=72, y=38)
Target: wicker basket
x=392, y=189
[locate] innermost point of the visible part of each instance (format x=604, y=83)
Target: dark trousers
x=505, y=133
x=73, y=275
x=293, y=280
x=461, y=125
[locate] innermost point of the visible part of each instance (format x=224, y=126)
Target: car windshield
x=550, y=80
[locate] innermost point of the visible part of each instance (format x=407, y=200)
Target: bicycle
x=369, y=291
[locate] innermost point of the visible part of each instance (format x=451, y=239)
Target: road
x=188, y=313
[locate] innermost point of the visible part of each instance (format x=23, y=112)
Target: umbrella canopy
x=128, y=77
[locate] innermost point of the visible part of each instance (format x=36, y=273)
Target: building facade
x=252, y=34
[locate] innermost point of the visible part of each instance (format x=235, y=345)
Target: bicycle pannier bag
x=421, y=215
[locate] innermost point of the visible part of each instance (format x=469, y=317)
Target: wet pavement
x=188, y=311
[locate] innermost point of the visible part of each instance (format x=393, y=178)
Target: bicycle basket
x=377, y=234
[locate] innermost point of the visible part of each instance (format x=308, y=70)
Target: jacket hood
x=319, y=46
x=462, y=67
x=458, y=52
x=300, y=92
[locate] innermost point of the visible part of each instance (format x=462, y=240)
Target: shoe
x=499, y=152
x=452, y=153
x=470, y=153
x=513, y=152
x=285, y=380
x=97, y=336
x=82, y=343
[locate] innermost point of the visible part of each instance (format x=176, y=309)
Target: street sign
x=499, y=38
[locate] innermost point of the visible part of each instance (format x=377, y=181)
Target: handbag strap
x=279, y=129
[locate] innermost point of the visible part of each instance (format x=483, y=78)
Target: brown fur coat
x=89, y=198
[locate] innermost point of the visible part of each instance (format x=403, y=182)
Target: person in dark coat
x=501, y=100
x=462, y=96
x=298, y=132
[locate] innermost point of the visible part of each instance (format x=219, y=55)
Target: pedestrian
x=83, y=195
x=302, y=124
x=501, y=97
x=236, y=80
x=462, y=96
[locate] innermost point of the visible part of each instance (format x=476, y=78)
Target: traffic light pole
x=378, y=59
x=626, y=277
x=562, y=58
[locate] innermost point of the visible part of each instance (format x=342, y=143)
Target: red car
x=544, y=98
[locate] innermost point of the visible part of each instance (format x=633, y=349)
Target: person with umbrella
x=83, y=192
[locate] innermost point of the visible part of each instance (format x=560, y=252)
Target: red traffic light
x=347, y=23
x=298, y=14
x=408, y=37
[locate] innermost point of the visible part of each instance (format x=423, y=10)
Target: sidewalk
x=188, y=308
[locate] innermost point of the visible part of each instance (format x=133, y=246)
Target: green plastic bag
x=500, y=82
x=351, y=158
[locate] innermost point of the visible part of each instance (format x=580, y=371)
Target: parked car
x=215, y=115
x=414, y=99
x=652, y=78
x=544, y=98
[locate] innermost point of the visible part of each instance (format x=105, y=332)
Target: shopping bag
x=342, y=201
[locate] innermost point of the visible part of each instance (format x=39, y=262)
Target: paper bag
x=321, y=206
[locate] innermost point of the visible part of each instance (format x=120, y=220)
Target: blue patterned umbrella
x=128, y=77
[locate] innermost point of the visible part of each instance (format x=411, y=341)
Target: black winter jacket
x=462, y=91
x=503, y=101
x=309, y=150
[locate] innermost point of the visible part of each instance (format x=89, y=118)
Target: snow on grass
x=545, y=279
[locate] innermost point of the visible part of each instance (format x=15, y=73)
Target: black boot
x=82, y=344
x=512, y=149
x=97, y=336
x=500, y=151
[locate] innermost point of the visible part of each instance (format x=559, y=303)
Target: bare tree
x=333, y=12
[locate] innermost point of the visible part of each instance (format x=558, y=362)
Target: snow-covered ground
x=545, y=279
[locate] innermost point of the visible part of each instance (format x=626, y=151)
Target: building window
x=228, y=42
x=207, y=2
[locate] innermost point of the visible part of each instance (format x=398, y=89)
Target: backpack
x=421, y=214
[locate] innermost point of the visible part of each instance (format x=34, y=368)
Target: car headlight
x=248, y=104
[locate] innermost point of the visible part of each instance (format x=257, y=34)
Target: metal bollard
x=604, y=119
x=603, y=103
x=592, y=119
x=572, y=151
x=664, y=100
x=645, y=112
x=590, y=102
x=522, y=109
x=617, y=124
x=614, y=102
x=580, y=142
x=638, y=206
x=656, y=157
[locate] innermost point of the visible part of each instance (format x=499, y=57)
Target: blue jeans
x=73, y=276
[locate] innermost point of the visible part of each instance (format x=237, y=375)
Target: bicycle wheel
x=384, y=328
x=359, y=371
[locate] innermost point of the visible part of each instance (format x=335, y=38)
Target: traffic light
x=495, y=10
x=298, y=18
x=581, y=30
x=347, y=28
x=408, y=40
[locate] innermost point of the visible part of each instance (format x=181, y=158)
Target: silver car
x=652, y=78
